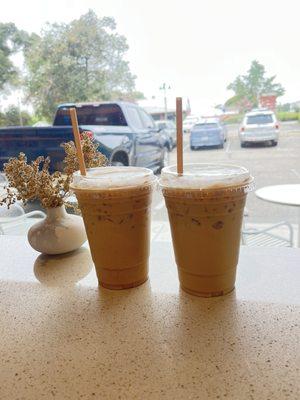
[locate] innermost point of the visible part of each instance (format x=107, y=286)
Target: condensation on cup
x=116, y=207
x=205, y=207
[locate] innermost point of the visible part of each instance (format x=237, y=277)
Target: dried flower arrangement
x=33, y=181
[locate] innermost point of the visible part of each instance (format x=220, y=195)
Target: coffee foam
x=113, y=177
x=204, y=176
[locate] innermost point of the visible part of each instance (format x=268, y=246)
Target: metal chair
x=267, y=237
x=15, y=216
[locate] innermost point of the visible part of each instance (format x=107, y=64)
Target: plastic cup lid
x=204, y=176
x=112, y=178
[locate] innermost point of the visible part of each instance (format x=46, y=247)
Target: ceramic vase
x=58, y=233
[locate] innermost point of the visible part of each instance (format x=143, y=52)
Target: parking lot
x=268, y=165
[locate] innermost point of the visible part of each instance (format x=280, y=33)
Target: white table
x=61, y=337
x=288, y=195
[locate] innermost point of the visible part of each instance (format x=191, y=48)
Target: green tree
x=12, y=117
x=11, y=41
x=247, y=88
x=79, y=61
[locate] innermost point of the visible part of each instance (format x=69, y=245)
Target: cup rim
x=149, y=178
x=210, y=186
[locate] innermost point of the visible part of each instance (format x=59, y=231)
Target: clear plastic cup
x=205, y=207
x=116, y=207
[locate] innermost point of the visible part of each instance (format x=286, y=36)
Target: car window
x=206, y=126
x=104, y=114
x=147, y=120
x=135, y=118
x=162, y=125
x=259, y=119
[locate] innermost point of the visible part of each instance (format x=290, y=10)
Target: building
x=158, y=113
x=268, y=100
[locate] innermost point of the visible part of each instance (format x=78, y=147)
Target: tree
x=12, y=117
x=249, y=87
x=11, y=41
x=76, y=62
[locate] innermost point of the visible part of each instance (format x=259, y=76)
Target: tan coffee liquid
x=117, y=223
x=206, y=229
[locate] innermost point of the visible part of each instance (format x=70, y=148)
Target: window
x=260, y=119
x=147, y=120
x=162, y=125
x=207, y=126
x=134, y=117
x=104, y=114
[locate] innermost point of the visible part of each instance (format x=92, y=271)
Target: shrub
x=288, y=116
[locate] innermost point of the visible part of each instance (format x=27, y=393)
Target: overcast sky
x=196, y=47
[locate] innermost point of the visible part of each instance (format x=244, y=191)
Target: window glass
x=134, y=117
x=162, y=125
x=259, y=119
x=146, y=119
x=104, y=114
x=207, y=126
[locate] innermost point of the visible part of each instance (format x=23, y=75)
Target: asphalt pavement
x=268, y=165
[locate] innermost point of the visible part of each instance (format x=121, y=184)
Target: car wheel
x=221, y=146
x=274, y=143
x=243, y=144
x=192, y=147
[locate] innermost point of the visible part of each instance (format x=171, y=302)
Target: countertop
x=63, y=338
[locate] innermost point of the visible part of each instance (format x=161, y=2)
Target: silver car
x=259, y=126
x=169, y=129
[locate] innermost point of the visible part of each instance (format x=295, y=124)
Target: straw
x=76, y=134
x=179, y=135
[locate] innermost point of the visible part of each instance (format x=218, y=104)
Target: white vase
x=58, y=233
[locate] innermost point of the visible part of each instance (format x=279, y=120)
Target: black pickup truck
x=126, y=134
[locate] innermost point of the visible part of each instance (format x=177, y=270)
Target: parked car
x=208, y=132
x=127, y=135
x=189, y=122
x=169, y=129
x=259, y=126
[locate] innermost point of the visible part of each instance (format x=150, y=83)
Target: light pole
x=165, y=87
x=20, y=111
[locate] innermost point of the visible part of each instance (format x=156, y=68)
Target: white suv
x=259, y=126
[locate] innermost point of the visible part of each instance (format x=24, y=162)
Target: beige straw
x=179, y=135
x=76, y=134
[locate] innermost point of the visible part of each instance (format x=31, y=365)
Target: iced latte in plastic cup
x=205, y=207
x=115, y=204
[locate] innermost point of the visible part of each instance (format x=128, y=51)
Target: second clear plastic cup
x=205, y=207
x=116, y=207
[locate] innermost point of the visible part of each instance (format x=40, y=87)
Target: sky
x=196, y=47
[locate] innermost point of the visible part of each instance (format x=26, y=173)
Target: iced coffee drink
x=115, y=204
x=205, y=207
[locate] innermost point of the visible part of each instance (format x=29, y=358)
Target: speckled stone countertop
x=61, y=337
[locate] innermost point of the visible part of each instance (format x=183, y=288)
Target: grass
x=288, y=116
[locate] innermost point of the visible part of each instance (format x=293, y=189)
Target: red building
x=268, y=100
